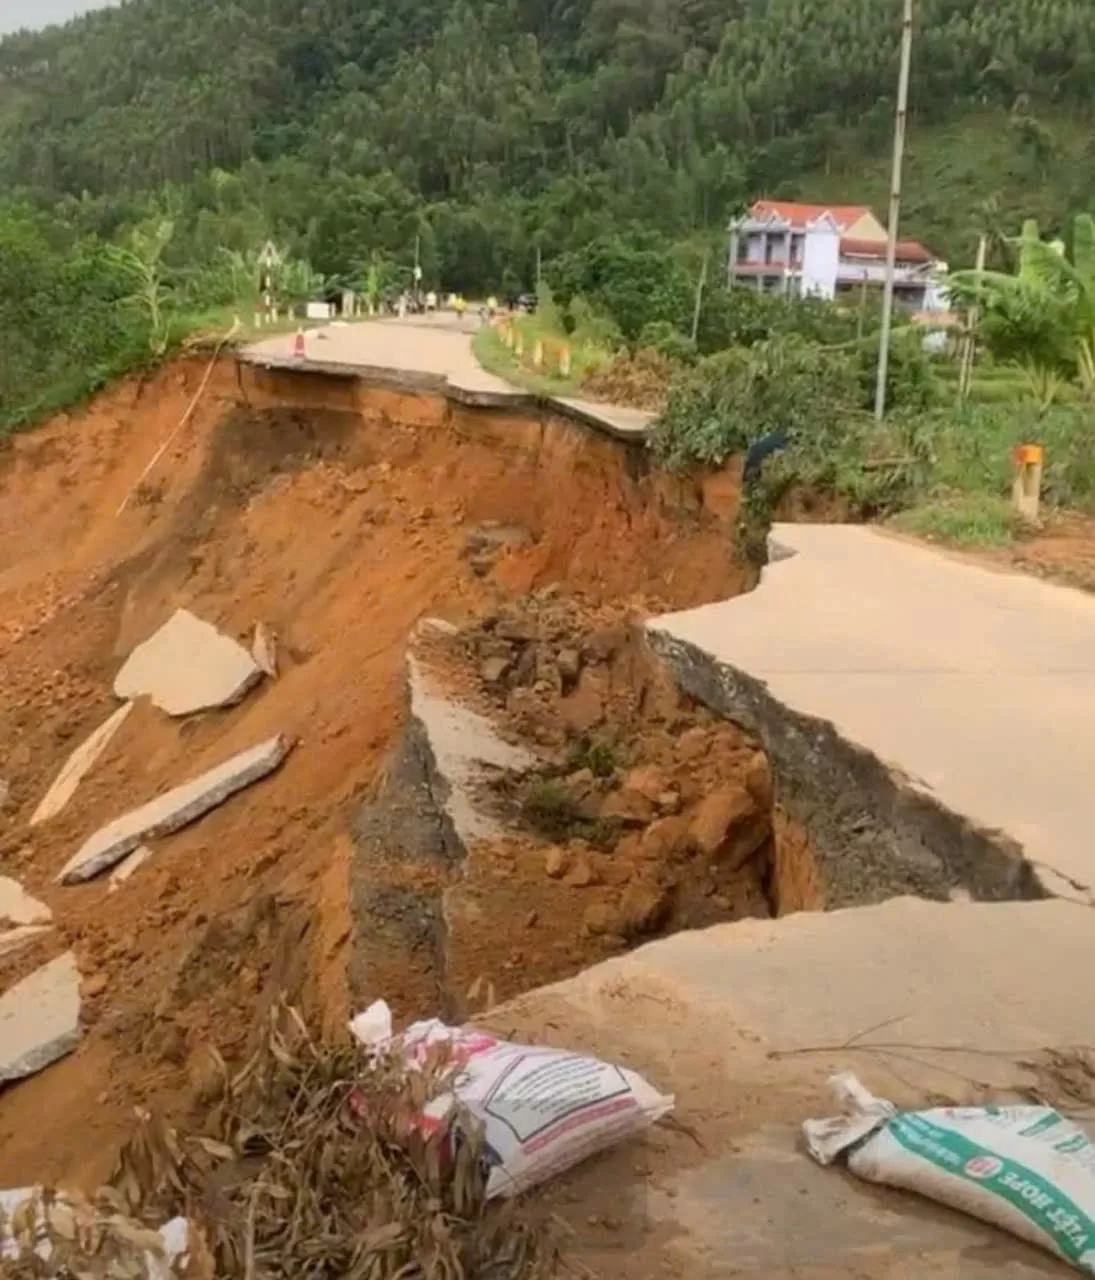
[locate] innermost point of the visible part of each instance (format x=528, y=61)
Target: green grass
x=493, y=354
x=971, y=520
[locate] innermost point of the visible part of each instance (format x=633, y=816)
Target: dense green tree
x=595, y=135
x=67, y=322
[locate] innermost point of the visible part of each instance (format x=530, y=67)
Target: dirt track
x=339, y=517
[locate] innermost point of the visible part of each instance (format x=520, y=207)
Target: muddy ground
x=339, y=517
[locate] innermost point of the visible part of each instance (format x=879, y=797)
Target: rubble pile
x=641, y=795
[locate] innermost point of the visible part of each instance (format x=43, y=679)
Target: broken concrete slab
x=40, y=1019
x=18, y=907
x=121, y=873
x=77, y=765
x=188, y=666
x=464, y=748
x=264, y=650
x=12, y=940
x=430, y=806
x=835, y=661
x=176, y=809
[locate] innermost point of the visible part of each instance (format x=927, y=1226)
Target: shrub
x=667, y=340
x=633, y=281
x=591, y=328
x=743, y=317
x=911, y=382
x=731, y=399
x=550, y=320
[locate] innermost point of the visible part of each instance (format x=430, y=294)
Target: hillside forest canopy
x=148, y=151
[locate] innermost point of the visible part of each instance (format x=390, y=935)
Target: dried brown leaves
x=312, y=1162
x=78, y=1238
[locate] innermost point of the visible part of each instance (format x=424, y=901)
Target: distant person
x=759, y=451
x=431, y=302
x=492, y=307
x=460, y=305
x=755, y=515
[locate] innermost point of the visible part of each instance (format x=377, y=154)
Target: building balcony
x=851, y=272
x=777, y=267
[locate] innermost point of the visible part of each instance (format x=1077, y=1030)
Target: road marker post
x=1026, y=491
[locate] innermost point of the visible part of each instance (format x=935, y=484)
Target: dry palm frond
x=314, y=1161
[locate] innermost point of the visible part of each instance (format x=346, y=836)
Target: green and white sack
x=1025, y=1169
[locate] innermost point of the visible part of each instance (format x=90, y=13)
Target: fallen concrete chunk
x=178, y=808
x=188, y=666
x=18, y=907
x=122, y=873
x=40, y=1019
x=264, y=650
x=12, y=939
x=77, y=765
x=464, y=749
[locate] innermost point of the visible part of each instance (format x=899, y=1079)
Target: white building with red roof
x=805, y=250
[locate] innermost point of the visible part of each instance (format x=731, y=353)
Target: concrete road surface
x=414, y=345
x=436, y=348
x=964, y=999
x=979, y=684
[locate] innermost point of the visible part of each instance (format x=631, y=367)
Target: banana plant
x=1043, y=316
x=142, y=262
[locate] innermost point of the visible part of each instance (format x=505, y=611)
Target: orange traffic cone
x=298, y=345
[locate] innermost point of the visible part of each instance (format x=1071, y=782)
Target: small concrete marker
x=121, y=874
x=188, y=666
x=264, y=650
x=12, y=939
x=176, y=809
x=77, y=765
x=18, y=907
x=40, y=1019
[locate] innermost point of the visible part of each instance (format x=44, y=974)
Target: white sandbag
x=1026, y=1169
x=541, y=1110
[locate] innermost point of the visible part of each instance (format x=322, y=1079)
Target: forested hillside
x=494, y=131
x=342, y=124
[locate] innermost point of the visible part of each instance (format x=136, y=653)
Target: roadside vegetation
x=592, y=150
x=483, y=142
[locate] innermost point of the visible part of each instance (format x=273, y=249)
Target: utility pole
x=973, y=316
x=895, y=210
x=701, y=285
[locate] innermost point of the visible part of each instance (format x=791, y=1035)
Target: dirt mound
x=338, y=516
x=643, y=815
x=640, y=380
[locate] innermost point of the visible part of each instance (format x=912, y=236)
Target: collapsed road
x=514, y=793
